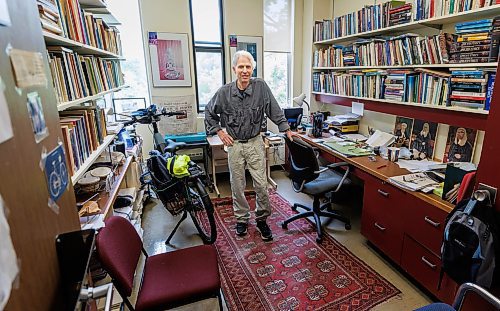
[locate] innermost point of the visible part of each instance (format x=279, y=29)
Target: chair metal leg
x=334, y=215
x=184, y=216
x=317, y=220
x=295, y=217
x=294, y=208
x=219, y=297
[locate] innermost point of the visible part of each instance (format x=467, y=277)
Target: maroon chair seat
x=168, y=280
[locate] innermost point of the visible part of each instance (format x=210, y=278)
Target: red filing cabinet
x=382, y=217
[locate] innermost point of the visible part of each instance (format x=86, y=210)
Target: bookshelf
x=56, y=40
x=65, y=105
x=434, y=22
x=92, y=158
x=471, y=65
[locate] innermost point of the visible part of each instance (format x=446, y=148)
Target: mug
x=393, y=154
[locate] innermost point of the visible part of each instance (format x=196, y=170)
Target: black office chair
x=309, y=178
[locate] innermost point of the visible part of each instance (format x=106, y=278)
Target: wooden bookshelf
x=92, y=158
x=65, y=105
x=108, y=199
x=440, y=114
x=434, y=22
x=471, y=65
x=93, y=3
x=81, y=48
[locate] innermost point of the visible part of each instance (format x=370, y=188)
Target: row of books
x=383, y=15
x=422, y=86
x=408, y=49
x=370, y=17
x=66, y=18
x=83, y=130
x=77, y=76
x=425, y=9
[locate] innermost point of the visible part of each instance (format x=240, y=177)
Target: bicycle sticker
x=56, y=173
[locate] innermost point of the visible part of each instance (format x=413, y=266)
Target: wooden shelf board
x=458, y=109
x=447, y=19
x=53, y=39
x=471, y=65
x=65, y=105
x=92, y=158
x=109, y=199
x=93, y=3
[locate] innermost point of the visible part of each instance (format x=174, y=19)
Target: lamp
x=300, y=100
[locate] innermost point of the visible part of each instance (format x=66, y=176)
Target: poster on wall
x=460, y=144
x=169, y=55
x=253, y=45
x=402, y=130
x=37, y=117
x=177, y=124
x=423, y=139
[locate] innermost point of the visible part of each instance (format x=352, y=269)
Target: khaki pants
x=252, y=156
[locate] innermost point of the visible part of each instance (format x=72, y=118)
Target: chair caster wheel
x=348, y=226
x=284, y=226
x=319, y=239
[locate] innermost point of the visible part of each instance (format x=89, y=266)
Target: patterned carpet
x=292, y=272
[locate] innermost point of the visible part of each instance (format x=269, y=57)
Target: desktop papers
x=415, y=166
x=343, y=118
x=380, y=139
x=413, y=182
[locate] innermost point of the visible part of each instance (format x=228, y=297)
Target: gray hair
x=243, y=53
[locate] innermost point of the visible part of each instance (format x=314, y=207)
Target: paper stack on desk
x=380, y=139
x=413, y=182
x=415, y=166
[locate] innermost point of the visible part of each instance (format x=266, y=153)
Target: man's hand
x=225, y=138
x=289, y=134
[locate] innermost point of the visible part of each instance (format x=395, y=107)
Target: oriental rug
x=292, y=272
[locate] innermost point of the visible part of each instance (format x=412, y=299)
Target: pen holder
x=393, y=154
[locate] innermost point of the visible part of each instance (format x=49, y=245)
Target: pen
x=381, y=166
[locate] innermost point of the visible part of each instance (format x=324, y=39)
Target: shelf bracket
x=435, y=26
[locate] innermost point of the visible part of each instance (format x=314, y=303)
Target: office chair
x=462, y=293
x=307, y=177
x=169, y=280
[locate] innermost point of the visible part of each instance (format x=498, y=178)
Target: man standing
x=242, y=106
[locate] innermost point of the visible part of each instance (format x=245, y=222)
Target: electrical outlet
x=491, y=190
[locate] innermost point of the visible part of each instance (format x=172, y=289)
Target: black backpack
x=470, y=243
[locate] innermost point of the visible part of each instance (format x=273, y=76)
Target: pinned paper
x=56, y=173
x=4, y=13
x=9, y=268
x=28, y=68
x=358, y=108
x=35, y=111
x=6, y=132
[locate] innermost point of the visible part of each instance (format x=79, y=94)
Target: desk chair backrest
x=119, y=248
x=303, y=162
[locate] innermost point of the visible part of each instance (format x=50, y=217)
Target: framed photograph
x=127, y=105
x=423, y=139
x=402, y=131
x=169, y=54
x=460, y=144
x=251, y=44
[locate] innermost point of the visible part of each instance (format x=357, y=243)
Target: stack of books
x=495, y=39
x=473, y=42
x=395, y=85
x=348, y=56
x=400, y=13
x=468, y=88
x=360, y=83
x=77, y=76
x=329, y=57
x=49, y=16
x=429, y=87
x=83, y=130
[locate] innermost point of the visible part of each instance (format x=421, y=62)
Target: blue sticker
x=56, y=173
x=153, y=38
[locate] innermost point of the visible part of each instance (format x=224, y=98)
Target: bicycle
x=186, y=195
x=56, y=177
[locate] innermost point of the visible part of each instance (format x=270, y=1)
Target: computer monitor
x=73, y=252
x=293, y=116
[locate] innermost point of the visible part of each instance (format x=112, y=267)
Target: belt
x=244, y=141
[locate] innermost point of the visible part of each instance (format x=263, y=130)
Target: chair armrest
x=481, y=292
x=334, y=165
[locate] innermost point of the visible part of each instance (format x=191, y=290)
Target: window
x=277, y=48
x=206, y=19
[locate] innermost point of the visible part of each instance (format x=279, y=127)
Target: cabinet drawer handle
x=379, y=227
x=432, y=222
x=382, y=192
x=427, y=262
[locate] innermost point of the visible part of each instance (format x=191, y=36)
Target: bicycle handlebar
x=149, y=115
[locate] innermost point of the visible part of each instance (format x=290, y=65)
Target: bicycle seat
x=172, y=146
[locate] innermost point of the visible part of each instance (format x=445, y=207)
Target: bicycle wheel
x=202, y=212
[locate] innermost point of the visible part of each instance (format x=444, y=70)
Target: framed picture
x=402, y=131
x=124, y=106
x=169, y=54
x=251, y=44
x=423, y=139
x=460, y=144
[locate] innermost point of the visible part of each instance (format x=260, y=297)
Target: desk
x=216, y=146
x=406, y=226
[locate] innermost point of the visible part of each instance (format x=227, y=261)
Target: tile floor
x=157, y=223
